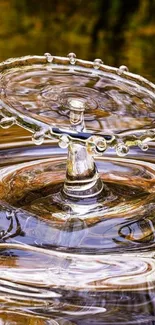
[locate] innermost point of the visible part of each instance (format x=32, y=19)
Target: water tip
x=72, y=57
x=49, y=57
x=121, y=69
x=97, y=63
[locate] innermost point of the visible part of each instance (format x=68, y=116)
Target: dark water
x=118, y=32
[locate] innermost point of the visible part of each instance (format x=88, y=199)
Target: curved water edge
x=105, y=92
x=45, y=269
x=76, y=261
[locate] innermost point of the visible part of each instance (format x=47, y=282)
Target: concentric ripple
x=44, y=93
x=36, y=92
x=124, y=221
x=87, y=273
x=83, y=261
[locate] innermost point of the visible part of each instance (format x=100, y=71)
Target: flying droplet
x=49, y=57
x=38, y=138
x=97, y=63
x=122, y=150
x=72, y=58
x=122, y=69
x=6, y=122
x=64, y=141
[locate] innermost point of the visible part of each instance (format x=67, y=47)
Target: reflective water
x=98, y=270
x=49, y=272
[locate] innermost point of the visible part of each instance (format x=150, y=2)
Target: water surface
x=94, y=270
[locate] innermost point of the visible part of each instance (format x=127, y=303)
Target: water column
x=82, y=178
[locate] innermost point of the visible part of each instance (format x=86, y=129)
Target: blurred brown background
x=118, y=31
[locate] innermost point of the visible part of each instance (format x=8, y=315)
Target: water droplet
x=121, y=69
x=143, y=146
x=101, y=145
x=72, y=58
x=96, y=145
x=122, y=149
x=6, y=122
x=97, y=63
x=49, y=57
x=76, y=104
x=38, y=138
x=64, y=141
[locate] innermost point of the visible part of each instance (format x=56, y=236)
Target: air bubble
x=122, y=150
x=72, y=58
x=7, y=122
x=38, y=138
x=64, y=141
x=121, y=69
x=97, y=63
x=49, y=57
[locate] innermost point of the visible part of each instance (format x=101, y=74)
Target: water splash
x=106, y=97
x=87, y=257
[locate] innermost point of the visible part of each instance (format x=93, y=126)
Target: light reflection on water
x=99, y=270
x=96, y=289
